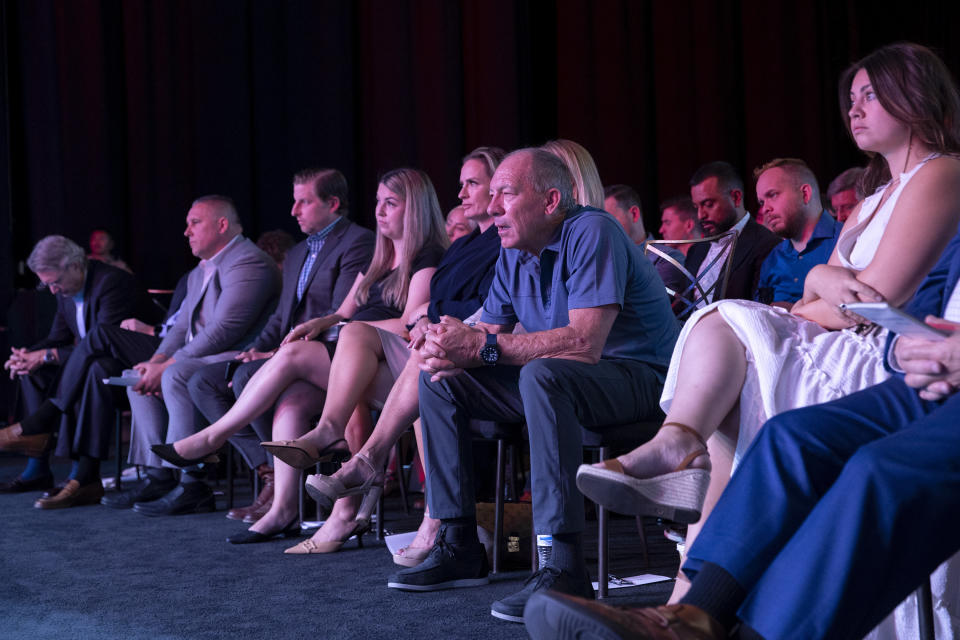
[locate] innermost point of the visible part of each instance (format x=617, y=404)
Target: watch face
x=490, y=354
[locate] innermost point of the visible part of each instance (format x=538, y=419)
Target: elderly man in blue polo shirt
x=600, y=333
x=790, y=204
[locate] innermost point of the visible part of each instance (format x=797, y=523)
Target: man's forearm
x=564, y=343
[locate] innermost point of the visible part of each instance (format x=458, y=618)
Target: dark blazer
x=244, y=288
x=110, y=295
x=346, y=252
x=753, y=245
x=934, y=292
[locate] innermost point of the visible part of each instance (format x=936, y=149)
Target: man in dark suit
x=836, y=513
x=717, y=191
x=230, y=295
x=90, y=295
x=317, y=275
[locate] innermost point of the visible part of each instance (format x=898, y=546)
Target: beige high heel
x=328, y=489
x=677, y=495
x=308, y=546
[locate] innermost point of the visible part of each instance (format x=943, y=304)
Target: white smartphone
x=896, y=320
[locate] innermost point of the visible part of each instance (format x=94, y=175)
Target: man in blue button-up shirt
x=790, y=205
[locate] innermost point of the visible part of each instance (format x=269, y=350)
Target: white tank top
x=857, y=246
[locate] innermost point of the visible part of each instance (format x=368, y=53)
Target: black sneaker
x=511, y=607
x=449, y=565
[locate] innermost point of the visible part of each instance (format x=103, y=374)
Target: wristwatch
x=48, y=357
x=491, y=351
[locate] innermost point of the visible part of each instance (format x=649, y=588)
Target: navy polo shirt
x=784, y=269
x=589, y=262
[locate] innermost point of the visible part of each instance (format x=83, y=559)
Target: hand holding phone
x=898, y=321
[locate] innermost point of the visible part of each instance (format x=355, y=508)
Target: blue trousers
x=838, y=511
x=555, y=397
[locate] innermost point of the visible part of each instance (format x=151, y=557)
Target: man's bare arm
x=453, y=345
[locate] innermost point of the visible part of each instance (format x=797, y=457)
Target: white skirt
x=793, y=363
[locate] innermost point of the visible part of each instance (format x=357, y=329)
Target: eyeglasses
x=43, y=286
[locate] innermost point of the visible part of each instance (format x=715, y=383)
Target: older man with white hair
x=90, y=295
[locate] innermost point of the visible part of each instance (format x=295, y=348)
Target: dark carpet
x=94, y=572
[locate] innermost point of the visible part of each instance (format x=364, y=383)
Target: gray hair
x=224, y=207
x=56, y=253
x=549, y=172
x=849, y=179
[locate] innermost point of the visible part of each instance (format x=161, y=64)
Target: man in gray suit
x=317, y=275
x=230, y=295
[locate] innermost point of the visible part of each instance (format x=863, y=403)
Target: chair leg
x=316, y=505
x=515, y=473
x=118, y=430
x=401, y=478
x=602, y=559
x=380, y=531
x=643, y=542
x=301, y=497
x=498, y=505
x=925, y=611
x=230, y=477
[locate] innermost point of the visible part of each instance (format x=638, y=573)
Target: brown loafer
x=548, y=612
x=72, y=495
x=261, y=504
x=257, y=509
x=12, y=439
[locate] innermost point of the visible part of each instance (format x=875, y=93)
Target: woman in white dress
x=738, y=363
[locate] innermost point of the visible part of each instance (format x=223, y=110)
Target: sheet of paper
x=633, y=581
x=397, y=541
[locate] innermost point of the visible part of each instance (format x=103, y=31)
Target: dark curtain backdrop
x=118, y=113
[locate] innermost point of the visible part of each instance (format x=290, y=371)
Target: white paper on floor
x=397, y=541
x=633, y=581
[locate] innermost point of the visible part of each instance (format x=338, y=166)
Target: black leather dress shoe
x=150, y=490
x=19, y=485
x=193, y=497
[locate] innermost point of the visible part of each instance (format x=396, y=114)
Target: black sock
x=716, y=592
x=567, y=554
x=191, y=476
x=460, y=531
x=45, y=419
x=88, y=470
x=160, y=474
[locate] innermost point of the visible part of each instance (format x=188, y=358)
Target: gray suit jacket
x=244, y=292
x=346, y=252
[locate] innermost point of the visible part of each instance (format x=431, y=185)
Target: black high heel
x=253, y=537
x=168, y=453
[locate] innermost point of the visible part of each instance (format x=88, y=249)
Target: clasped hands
x=151, y=375
x=931, y=366
x=448, y=347
x=23, y=362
